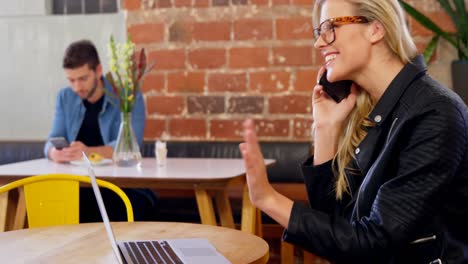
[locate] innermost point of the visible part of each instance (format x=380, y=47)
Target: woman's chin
x=334, y=75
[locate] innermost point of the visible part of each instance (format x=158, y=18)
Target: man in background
x=90, y=120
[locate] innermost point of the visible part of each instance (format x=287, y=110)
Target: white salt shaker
x=160, y=150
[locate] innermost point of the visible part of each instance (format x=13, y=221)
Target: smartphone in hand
x=59, y=142
x=337, y=90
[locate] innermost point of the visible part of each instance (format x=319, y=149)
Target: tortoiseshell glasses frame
x=326, y=29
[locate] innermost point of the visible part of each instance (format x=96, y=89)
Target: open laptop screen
x=102, y=209
x=184, y=250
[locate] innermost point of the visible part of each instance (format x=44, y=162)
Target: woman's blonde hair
x=397, y=38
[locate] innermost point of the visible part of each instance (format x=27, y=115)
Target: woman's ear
x=376, y=32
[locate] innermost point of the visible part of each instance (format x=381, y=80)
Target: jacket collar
x=410, y=72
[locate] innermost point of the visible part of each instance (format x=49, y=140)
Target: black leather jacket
x=409, y=187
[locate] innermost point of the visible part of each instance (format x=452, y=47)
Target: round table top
x=88, y=243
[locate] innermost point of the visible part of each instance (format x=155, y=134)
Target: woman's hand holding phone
x=329, y=117
x=325, y=110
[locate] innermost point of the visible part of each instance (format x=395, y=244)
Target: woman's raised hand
x=259, y=188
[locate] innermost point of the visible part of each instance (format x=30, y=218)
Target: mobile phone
x=336, y=90
x=59, y=142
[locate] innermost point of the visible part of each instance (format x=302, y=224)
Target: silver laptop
x=177, y=251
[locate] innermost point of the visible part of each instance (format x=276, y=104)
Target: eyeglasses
x=326, y=29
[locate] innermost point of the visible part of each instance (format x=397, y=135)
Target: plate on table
x=81, y=162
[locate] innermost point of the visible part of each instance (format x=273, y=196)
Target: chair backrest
x=53, y=199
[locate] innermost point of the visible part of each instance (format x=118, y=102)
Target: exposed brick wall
x=221, y=61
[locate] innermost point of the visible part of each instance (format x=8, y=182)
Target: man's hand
x=68, y=154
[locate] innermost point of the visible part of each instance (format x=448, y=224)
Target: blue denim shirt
x=70, y=112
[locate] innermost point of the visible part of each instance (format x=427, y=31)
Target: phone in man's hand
x=336, y=90
x=59, y=142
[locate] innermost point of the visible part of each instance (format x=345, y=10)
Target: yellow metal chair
x=53, y=199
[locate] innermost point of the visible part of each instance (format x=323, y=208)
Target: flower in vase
x=127, y=69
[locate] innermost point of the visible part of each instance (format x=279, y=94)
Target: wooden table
x=209, y=178
x=88, y=243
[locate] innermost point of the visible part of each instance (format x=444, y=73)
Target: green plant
x=127, y=69
x=456, y=9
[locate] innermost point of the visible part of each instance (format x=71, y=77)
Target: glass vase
x=126, y=152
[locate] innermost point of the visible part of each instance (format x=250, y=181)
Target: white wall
x=24, y=7
x=31, y=50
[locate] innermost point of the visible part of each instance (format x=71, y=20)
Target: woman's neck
x=378, y=75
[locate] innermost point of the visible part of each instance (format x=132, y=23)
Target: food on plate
x=95, y=157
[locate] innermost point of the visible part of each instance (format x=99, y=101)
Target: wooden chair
x=51, y=199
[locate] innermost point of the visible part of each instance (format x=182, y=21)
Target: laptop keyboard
x=152, y=252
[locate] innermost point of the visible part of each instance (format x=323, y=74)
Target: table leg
x=12, y=210
x=249, y=213
x=258, y=223
x=20, y=215
x=205, y=207
x=224, y=209
x=3, y=210
x=287, y=253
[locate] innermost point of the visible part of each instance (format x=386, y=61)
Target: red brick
x=272, y=128
x=153, y=82
x=269, y=81
x=165, y=105
x=205, y=104
x=248, y=57
x=259, y=2
x=164, y=3
x=132, y=4
x=168, y=59
x=253, y=29
x=182, y=3
x=305, y=80
x=280, y=2
x=186, y=82
x=154, y=128
x=246, y=105
x=146, y=33
x=302, y=2
x=212, y=31
x=180, y=31
x=220, y=2
x=201, y=3
x=239, y=2
x=293, y=55
x=302, y=129
x=226, y=129
x=290, y=104
x=207, y=58
x=441, y=18
x=187, y=127
x=294, y=28
x=232, y=129
x=225, y=82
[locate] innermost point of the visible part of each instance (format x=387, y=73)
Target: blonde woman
x=388, y=179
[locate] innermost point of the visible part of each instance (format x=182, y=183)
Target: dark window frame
x=84, y=7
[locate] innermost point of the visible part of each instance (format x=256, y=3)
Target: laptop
x=177, y=251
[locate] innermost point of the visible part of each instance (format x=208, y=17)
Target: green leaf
x=427, y=23
x=445, y=4
x=459, y=19
x=462, y=27
x=430, y=48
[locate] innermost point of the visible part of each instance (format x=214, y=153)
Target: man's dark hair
x=80, y=53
